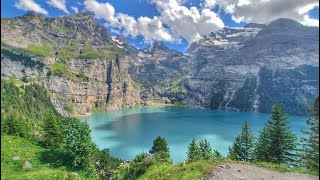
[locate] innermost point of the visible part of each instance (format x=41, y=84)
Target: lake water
x=131, y=131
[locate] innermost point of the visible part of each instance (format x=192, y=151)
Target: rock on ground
x=16, y=158
x=27, y=165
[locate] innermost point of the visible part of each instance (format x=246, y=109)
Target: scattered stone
x=76, y=175
x=238, y=170
x=27, y=165
x=222, y=166
x=16, y=158
x=228, y=167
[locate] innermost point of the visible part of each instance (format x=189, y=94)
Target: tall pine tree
x=193, y=151
x=52, y=131
x=310, y=158
x=205, y=150
x=243, y=147
x=276, y=143
x=160, y=149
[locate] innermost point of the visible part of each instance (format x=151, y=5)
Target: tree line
x=277, y=144
x=27, y=112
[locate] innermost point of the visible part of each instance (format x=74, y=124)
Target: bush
x=78, y=145
x=137, y=167
x=14, y=125
x=106, y=164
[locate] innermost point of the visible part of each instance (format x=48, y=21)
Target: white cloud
x=265, y=11
x=150, y=29
x=30, y=5
x=59, y=4
x=189, y=23
x=230, y=8
x=309, y=21
x=307, y=8
x=237, y=19
x=177, y=21
x=243, y=2
x=75, y=9
x=209, y=3
x=102, y=10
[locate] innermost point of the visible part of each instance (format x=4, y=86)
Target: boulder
x=16, y=158
x=27, y=165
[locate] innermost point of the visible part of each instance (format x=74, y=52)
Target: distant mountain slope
x=242, y=69
x=86, y=69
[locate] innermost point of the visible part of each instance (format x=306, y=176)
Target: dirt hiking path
x=231, y=171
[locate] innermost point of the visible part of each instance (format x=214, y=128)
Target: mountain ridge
x=229, y=69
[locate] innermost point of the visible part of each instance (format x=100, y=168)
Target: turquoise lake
x=131, y=131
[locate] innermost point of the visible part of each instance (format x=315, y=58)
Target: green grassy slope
x=27, y=150
x=166, y=171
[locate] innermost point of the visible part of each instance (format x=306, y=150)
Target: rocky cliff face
x=107, y=86
x=79, y=63
x=85, y=69
x=241, y=69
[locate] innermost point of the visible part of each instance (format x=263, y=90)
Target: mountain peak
x=284, y=22
x=30, y=14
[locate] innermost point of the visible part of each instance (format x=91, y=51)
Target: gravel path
x=232, y=171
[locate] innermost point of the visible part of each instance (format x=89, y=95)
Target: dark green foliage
x=12, y=124
x=78, y=145
x=276, y=143
x=235, y=150
x=138, y=166
x=30, y=102
x=20, y=57
x=243, y=147
x=263, y=146
x=106, y=164
x=206, y=152
x=160, y=149
x=216, y=154
x=310, y=144
x=52, y=137
x=193, y=151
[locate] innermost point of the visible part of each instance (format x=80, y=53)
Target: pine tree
x=243, y=147
x=263, y=146
x=236, y=149
x=205, y=150
x=78, y=145
x=216, y=154
x=193, y=151
x=15, y=125
x=52, y=131
x=247, y=141
x=310, y=157
x=160, y=149
x=276, y=142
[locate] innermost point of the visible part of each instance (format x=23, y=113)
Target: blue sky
x=176, y=23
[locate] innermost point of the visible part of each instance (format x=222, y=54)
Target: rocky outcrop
x=73, y=57
x=108, y=87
